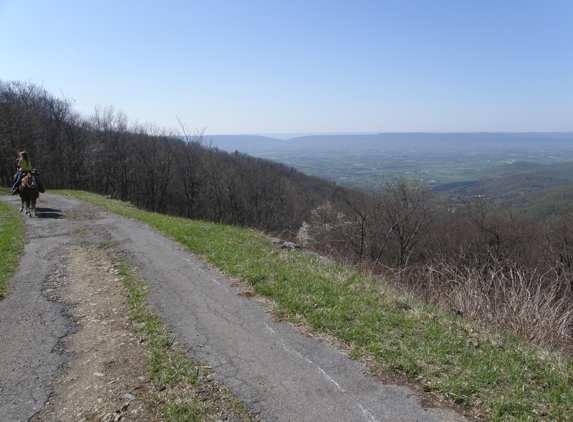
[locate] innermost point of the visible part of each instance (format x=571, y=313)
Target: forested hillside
x=479, y=259
x=151, y=167
x=538, y=191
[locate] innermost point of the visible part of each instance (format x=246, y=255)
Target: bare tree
x=406, y=209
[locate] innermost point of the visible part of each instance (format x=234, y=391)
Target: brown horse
x=29, y=193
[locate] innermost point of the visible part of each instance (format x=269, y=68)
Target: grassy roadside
x=191, y=395
x=11, y=243
x=491, y=373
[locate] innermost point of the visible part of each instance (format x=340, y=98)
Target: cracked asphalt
x=276, y=371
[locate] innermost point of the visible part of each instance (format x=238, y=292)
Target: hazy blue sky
x=250, y=66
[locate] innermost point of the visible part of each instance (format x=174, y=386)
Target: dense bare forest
x=475, y=260
x=156, y=169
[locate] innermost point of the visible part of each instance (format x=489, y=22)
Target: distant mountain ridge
x=459, y=142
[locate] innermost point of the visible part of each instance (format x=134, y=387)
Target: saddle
x=29, y=179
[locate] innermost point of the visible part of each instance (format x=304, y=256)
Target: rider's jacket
x=24, y=165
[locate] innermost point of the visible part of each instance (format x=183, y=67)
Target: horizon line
x=291, y=135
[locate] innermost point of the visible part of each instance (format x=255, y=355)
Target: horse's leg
x=33, y=208
x=22, y=206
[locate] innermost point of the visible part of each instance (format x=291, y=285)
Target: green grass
x=490, y=372
x=11, y=243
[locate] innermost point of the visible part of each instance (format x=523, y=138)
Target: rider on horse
x=24, y=166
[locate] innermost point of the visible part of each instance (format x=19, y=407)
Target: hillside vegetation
x=538, y=191
x=490, y=373
x=154, y=168
x=492, y=255
x=404, y=230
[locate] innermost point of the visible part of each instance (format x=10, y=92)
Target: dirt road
x=65, y=288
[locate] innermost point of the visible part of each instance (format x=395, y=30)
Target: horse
x=29, y=193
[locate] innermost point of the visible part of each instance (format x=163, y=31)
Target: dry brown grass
x=537, y=306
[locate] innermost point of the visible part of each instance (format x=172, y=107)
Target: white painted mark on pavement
x=220, y=284
x=367, y=413
x=329, y=378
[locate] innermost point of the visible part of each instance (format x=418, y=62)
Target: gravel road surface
x=276, y=371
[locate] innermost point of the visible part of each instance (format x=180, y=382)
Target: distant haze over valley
x=369, y=160
x=461, y=142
